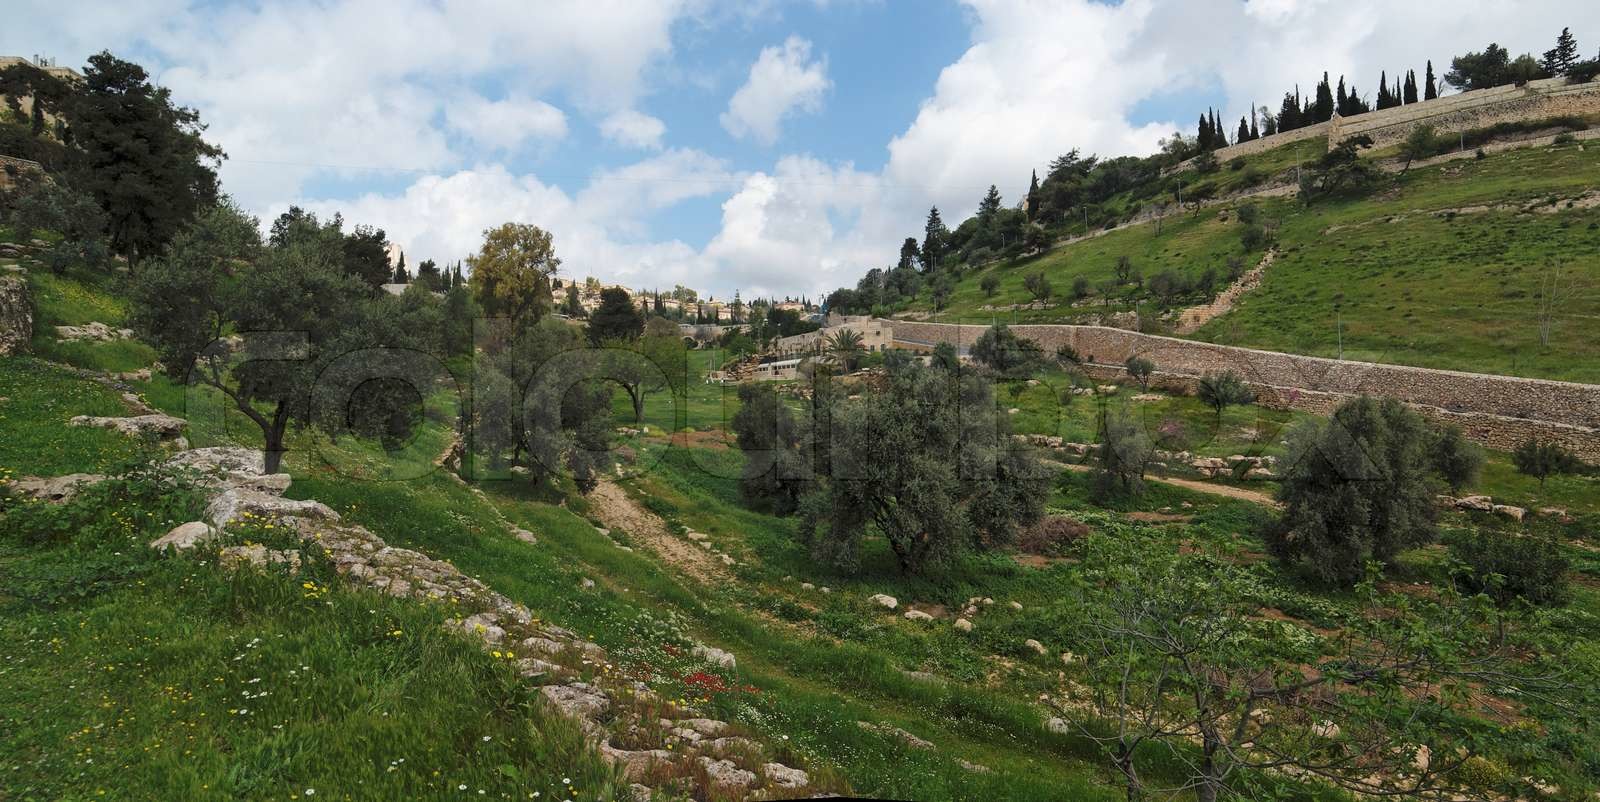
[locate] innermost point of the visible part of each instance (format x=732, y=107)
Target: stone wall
x=1536, y=100
x=1498, y=411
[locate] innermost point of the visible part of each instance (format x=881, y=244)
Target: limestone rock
x=185, y=536
x=534, y=667
x=917, y=615
x=484, y=626
x=1475, y=503
x=1016, y=606
x=1325, y=729
x=59, y=489
x=785, y=777
x=885, y=600
x=640, y=792
x=1508, y=511
x=635, y=765
x=258, y=556
x=96, y=331
x=708, y=727
x=576, y=701
x=698, y=536
x=963, y=625
x=712, y=654
x=975, y=768
x=1058, y=726
x=1037, y=647
x=233, y=503
x=164, y=427
x=16, y=315
x=724, y=777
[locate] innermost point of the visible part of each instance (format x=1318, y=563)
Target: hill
x=1438, y=266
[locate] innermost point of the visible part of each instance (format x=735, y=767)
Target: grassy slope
x=1438, y=291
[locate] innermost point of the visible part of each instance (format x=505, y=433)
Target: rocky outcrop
x=58, y=490
x=161, y=427
x=16, y=315
x=92, y=332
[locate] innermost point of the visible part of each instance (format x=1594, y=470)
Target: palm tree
x=846, y=348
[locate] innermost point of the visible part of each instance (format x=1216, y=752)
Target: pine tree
x=1411, y=87
x=1431, y=90
x=1559, y=59
x=989, y=206
x=1323, y=108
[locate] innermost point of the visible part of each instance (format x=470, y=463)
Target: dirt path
x=1239, y=493
x=616, y=510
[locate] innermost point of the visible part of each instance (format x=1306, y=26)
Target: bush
x=1052, y=536
x=1457, y=461
x=1508, y=566
x=1541, y=460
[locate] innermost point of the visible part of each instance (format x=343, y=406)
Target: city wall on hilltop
x=1464, y=111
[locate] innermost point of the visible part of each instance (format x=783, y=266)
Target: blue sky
x=777, y=147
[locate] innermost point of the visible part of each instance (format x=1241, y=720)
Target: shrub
x=1508, y=566
x=1541, y=460
x=989, y=284
x=1121, y=458
x=1457, y=461
x=1222, y=390
x=1051, y=536
x=1140, y=369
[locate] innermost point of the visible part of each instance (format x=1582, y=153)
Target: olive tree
x=217, y=279
x=1359, y=487
x=926, y=462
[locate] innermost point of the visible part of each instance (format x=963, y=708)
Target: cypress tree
x=1323, y=108
x=1033, y=195
x=1255, y=133
x=1341, y=103
x=1244, y=131
x=1430, y=91
x=1203, y=133
x=1411, y=86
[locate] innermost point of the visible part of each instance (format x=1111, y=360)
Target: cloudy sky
x=771, y=147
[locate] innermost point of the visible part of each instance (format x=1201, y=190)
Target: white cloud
x=634, y=129
x=303, y=84
x=783, y=80
x=504, y=124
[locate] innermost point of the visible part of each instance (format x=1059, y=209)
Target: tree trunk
x=274, y=438
x=1130, y=774
x=634, y=393
x=1210, y=784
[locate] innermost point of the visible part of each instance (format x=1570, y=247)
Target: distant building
x=781, y=370
x=875, y=336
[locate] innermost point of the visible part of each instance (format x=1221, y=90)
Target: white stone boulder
x=918, y=615
x=1016, y=606
x=885, y=600
x=1475, y=503
x=963, y=625
x=1058, y=726
x=1035, y=646
x=185, y=536
x=234, y=503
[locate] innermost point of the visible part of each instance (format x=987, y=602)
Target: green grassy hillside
x=1439, y=267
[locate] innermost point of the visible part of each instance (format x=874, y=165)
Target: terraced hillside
x=1440, y=266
